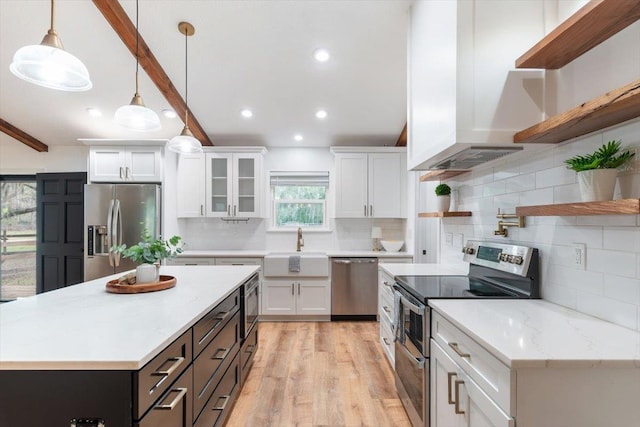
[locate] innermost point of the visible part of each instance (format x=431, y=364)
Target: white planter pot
x=443, y=203
x=147, y=273
x=597, y=185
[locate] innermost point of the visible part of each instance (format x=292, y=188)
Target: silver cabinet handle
x=127, y=172
x=456, y=404
x=219, y=319
x=201, y=210
x=228, y=210
x=384, y=282
x=365, y=210
x=234, y=210
x=385, y=308
x=110, y=236
x=292, y=289
x=121, y=173
x=226, y=398
x=454, y=346
x=298, y=288
x=177, y=361
x=225, y=352
x=174, y=402
x=370, y=210
x=117, y=230
x=449, y=390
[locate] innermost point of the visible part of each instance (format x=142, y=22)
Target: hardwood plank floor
x=319, y=374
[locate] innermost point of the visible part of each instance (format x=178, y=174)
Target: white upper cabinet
x=463, y=87
x=190, y=184
x=120, y=164
x=371, y=185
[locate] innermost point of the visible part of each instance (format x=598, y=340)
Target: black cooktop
x=428, y=287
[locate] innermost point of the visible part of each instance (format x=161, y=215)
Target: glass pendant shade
x=185, y=143
x=135, y=116
x=49, y=65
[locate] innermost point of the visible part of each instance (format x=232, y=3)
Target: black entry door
x=60, y=221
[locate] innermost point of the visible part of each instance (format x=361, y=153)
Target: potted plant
x=597, y=172
x=148, y=253
x=443, y=191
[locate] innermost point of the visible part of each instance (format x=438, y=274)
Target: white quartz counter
x=229, y=254
x=536, y=333
x=423, y=269
x=262, y=253
x=83, y=327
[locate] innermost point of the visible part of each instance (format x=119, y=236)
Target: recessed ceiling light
x=298, y=137
x=246, y=113
x=321, y=55
x=321, y=114
x=169, y=114
x=94, y=112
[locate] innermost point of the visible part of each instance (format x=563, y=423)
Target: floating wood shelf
x=613, y=207
x=613, y=107
x=442, y=214
x=588, y=27
x=440, y=175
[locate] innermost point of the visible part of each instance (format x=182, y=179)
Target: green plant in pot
x=148, y=253
x=597, y=172
x=443, y=191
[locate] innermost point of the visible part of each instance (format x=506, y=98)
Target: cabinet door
x=143, y=164
x=444, y=374
x=278, y=297
x=218, y=185
x=191, y=186
x=351, y=185
x=246, y=185
x=387, y=185
x=314, y=297
x=107, y=164
x=479, y=409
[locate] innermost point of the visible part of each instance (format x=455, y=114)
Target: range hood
x=471, y=157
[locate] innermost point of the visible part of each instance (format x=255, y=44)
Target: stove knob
x=512, y=259
x=518, y=260
x=464, y=250
x=471, y=251
x=504, y=257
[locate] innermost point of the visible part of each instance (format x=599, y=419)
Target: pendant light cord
x=137, y=37
x=186, y=78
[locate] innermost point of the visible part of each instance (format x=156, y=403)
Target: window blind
x=282, y=178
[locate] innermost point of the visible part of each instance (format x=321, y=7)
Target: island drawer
x=493, y=376
x=211, y=364
x=174, y=407
x=156, y=376
x=248, y=352
x=220, y=404
x=208, y=327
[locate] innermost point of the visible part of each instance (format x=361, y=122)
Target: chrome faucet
x=300, y=243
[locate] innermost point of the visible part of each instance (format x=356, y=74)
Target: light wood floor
x=319, y=374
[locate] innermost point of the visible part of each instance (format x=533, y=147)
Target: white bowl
x=392, y=245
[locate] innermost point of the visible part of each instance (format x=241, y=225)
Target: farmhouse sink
x=312, y=264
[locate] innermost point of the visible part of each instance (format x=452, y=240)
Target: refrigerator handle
x=118, y=230
x=110, y=241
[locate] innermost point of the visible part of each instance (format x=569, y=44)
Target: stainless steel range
x=496, y=271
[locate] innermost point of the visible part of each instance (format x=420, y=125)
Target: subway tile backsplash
x=609, y=285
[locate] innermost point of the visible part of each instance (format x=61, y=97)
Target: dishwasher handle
x=356, y=261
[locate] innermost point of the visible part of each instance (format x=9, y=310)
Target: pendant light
x=48, y=64
x=185, y=142
x=135, y=116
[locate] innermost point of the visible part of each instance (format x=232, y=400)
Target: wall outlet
x=580, y=255
x=448, y=238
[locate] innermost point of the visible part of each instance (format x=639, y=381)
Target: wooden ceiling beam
x=126, y=30
x=402, y=139
x=23, y=137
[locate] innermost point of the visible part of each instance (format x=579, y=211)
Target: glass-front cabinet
x=232, y=184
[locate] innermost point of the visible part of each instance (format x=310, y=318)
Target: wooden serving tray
x=165, y=282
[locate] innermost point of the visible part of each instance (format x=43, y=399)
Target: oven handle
x=419, y=309
x=419, y=362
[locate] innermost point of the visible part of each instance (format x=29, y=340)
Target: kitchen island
x=80, y=352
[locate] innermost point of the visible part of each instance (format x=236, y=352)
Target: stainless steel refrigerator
x=115, y=214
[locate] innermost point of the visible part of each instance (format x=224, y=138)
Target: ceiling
x=253, y=54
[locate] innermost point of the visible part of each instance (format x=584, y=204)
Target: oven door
x=411, y=363
x=251, y=308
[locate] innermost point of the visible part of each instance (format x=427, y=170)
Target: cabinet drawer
x=386, y=340
x=211, y=364
x=156, y=376
x=206, y=329
x=173, y=409
x=386, y=306
x=221, y=402
x=248, y=352
x=486, y=370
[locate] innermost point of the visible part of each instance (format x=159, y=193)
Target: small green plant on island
x=443, y=190
x=605, y=157
x=150, y=250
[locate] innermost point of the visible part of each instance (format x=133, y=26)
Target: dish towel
x=294, y=264
x=396, y=325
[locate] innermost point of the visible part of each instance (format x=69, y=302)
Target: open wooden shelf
x=440, y=175
x=613, y=107
x=588, y=27
x=612, y=207
x=442, y=214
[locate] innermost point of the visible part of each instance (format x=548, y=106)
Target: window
x=299, y=199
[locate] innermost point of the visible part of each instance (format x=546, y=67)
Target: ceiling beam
x=126, y=30
x=22, y=136
x=402, y=139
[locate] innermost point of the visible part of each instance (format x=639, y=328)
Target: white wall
x=16, y=158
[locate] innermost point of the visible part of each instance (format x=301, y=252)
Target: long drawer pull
x=454, y=346
x=177, y=361
x=250, y=348
x=386, y=341
x=449, y=395
x=226, y=398
x=219, y=319
x=385, y=308
x=384, y=282
x=174, y=402
x=225, y=352
x=456, y=404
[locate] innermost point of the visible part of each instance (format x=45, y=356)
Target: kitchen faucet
x=300, y=243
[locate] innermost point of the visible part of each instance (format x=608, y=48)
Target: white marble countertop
x=219, y=253
x=85, y=327
x=262, y=253
x=423, y=269
x=536, y=333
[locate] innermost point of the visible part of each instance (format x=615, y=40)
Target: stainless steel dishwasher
x=354, y=288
